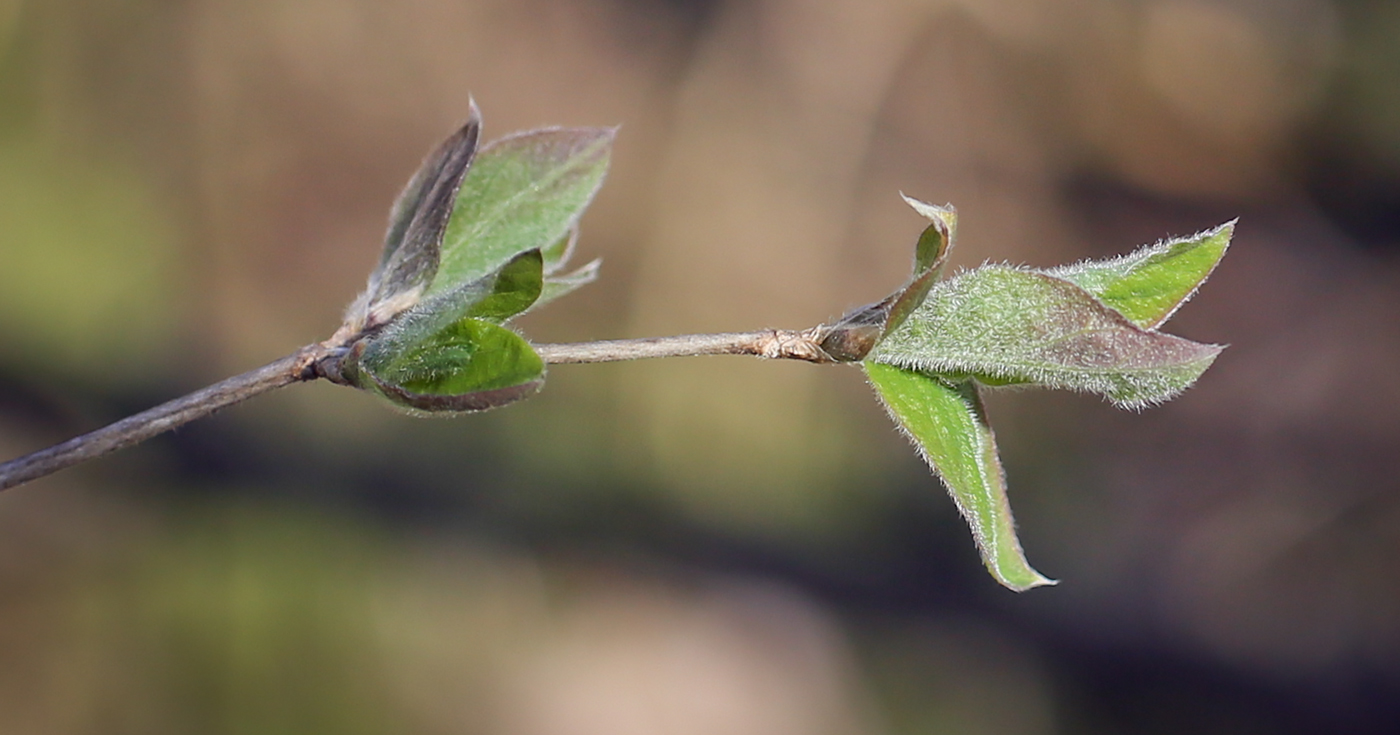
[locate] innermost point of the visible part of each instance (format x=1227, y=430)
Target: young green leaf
x=448, y=352
x=514, y=288
x=1010, y=325
x=524, y=192
x=469, y=365
x=412, y=246
x=1150, y=284
x=948, y=424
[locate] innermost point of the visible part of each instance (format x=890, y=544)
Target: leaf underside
x=412, y=246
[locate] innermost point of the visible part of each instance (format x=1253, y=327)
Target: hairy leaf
x=930, y=254
x=1150, y=284
x=524, y=192
x=448, y=352
x=497, y=296
x=1010, y=325
x=468, y=365
x=412, y=246
x=948, y=424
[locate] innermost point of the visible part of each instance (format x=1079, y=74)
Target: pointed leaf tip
x=556, y=286
x=948, y=424
x=1148, y=285
x=946, y=214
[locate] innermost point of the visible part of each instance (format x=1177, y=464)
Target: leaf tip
x=946, y=214
x=1038, y=580
x=473, y=112
x=605, y=134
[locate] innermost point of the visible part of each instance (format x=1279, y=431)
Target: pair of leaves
x=475, y=239
x=1090, y=326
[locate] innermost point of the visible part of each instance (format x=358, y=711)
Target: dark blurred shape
x=1351, y=154
x=694, y=15
x=1360, y=194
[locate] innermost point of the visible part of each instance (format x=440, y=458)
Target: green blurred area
x=88, y=286
x=190, y=189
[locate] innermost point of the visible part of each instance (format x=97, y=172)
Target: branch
x=771, y=344
x=136, y=429
x=322, y=361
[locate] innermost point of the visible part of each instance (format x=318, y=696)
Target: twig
x=772, y=344
x=142, y=426
x=323, y=361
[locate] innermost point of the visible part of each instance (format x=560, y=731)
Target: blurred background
x=192, y=188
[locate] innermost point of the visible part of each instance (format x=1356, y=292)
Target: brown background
x=190, y=188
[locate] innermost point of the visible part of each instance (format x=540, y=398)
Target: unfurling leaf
x=473, y=241
x=1150, y=284
x=930, y=253
x=1007, y=325
x=524, y=192
x=449, y=353
x=852, y=338
x=412, y=246
x=937, y=239
x=946, y=421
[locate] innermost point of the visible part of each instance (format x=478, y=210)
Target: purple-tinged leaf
x=417, y=222
x=1009, y=325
